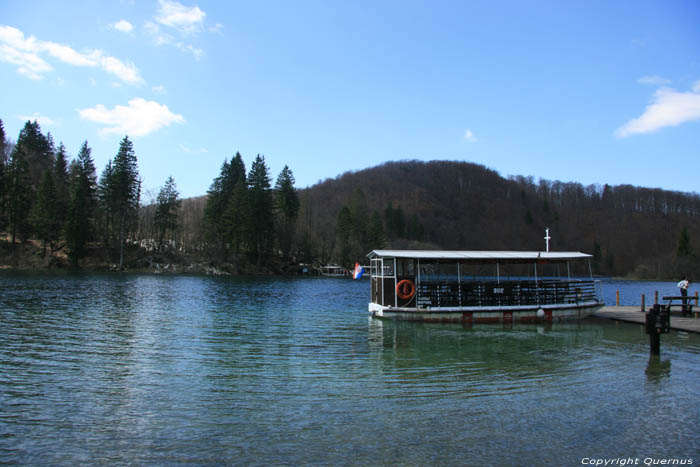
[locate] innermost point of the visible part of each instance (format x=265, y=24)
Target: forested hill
x=457, y=205
x=245, y=224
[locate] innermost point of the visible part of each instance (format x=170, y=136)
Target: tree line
x=65, y=206
x=247, y=224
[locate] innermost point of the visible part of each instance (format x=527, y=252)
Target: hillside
x=457, y=205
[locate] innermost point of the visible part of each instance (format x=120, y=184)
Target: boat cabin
x=419, y=280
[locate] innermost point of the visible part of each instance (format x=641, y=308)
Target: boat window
x=448, y=272
x=388, y=267
x=478, y=271
x=405, y=267
x=375, y=265
x=429, y=271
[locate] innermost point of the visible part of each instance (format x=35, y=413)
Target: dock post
x=643, y=303
x=696, y=299
x=654, y=343
x=617, y=298
x=657, y=322
x=656, y=297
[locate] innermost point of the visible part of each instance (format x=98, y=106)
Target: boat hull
x=504, y=314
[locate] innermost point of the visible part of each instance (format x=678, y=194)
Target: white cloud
x=25, y=53
x=653, y=80
x=139, y=118
x=216, y=29
x=28, y=64
x=42, y=120
x=123, y=26
x=185, y=19
x=668, y=108
x=160, y=89
x=163, y=38
x=127, y=72
x=469, y=136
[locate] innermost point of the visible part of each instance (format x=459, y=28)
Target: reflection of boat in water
x=333, y=270
x=480, y=286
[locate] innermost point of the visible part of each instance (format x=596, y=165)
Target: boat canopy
x=482, y=256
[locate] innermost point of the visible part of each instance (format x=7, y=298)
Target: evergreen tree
x=236, y=217
x=60, y=177
x=3, y=175
x=122, y=190
x=168, y=205
x=107, y=202
x=38, y=153
x=19, y=202
x=219, y=196
x=43, y=216
x=82, y=203
x=261, y=221
x=287, y=204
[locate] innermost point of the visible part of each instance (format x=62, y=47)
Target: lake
x=148, y=369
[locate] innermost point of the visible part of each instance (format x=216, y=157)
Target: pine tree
x=19, y=202
x=261, y=221
x=219, y=197
x=3, y=175
x=82, y=205
x=38, y=153
x=236, y=217
x=287, y=205
x=168, y=205
x=105, y=195
x=60, y=177
x=43, y=216
x=122, y=192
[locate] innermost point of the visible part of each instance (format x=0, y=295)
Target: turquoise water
x=145, y=369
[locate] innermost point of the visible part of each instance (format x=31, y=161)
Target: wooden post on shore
x=696, y=298
x=656, y=297
x=617, y=298
x=643, y=303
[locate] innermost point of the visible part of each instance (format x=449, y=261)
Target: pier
x=634, y=314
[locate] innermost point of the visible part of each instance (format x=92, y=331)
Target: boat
x=481, y=286
x=333, y=270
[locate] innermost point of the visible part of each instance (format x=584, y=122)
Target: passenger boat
x=481, y=286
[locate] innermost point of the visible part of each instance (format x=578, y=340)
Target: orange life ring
x=405, y=289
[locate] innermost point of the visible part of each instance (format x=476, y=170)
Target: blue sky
x=585, y=91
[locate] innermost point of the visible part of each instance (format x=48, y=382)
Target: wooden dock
x=633, y=314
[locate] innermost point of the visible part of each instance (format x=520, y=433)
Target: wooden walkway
x=633, y=314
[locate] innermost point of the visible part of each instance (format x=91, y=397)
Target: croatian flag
x=359, y=270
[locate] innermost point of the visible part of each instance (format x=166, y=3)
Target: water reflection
x=658, y=369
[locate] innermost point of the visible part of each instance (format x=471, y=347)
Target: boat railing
x=445, y=293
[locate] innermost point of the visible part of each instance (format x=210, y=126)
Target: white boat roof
x=481, y=255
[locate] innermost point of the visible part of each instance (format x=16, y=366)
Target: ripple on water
x=157, y=369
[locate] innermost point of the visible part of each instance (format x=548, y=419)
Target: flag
x=359, y=270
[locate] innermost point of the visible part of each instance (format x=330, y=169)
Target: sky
x=583, y=91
